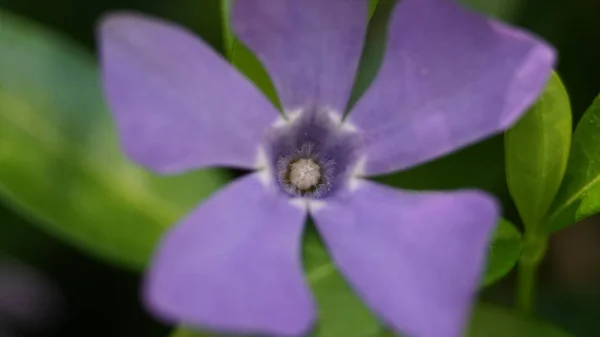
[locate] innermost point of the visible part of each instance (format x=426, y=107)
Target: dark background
x=100, y=300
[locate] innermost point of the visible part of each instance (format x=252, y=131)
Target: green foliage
x=506, y=10
x=478, y=166
x=341, y=312
x=373, y=50
x=60, y=163
x=248, y=64
x=537, y=150
x=372, y=6
x=491, y=321
x=504, y=251
x=579, y=194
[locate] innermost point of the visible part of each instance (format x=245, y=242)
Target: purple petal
x=234, y=265
x=311, y=48
x=178, y=105
x=415, y=258
x=449, y=78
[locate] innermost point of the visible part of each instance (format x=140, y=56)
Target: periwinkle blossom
x=449, y=78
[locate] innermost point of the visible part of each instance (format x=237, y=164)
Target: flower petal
x=415, y=258
x=234, y=265
x=449, y=78
x=178, y=105
x=311, y=48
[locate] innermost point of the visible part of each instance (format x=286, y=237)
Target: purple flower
x=449, y=78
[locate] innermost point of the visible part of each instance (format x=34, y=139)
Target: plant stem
x=525, y=290
x=227, y=34
x=533, y=253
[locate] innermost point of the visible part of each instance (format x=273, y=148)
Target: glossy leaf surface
x=537, y=149
x=579, y=194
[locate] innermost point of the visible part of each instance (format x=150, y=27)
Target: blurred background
x=85, y=296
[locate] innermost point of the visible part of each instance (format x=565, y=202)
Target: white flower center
x=304, y=174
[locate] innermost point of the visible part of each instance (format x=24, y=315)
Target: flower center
x=301, y=171
x=304, y=174
x=312, y=155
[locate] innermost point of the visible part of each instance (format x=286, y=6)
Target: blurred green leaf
x=60, y=163
x=248, y=64
x=537, y=150
x=506, y=10
x=579, y=194
x=492, y=321
x=504, y=252
x=341, y=312
x=372, y=6
x=478, y=166
x=373, y=50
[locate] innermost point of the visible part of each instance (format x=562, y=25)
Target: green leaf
x=248, y=64
x=537, y=150
x=492, y=321
x=372, y=6
x=60, y=163
x=478, y=166
x=503, y=253
x=341, y=312
x=579, y=194
x=373, y=50
x=507, y=10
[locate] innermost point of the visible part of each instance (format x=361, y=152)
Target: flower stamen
x=304, y=174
